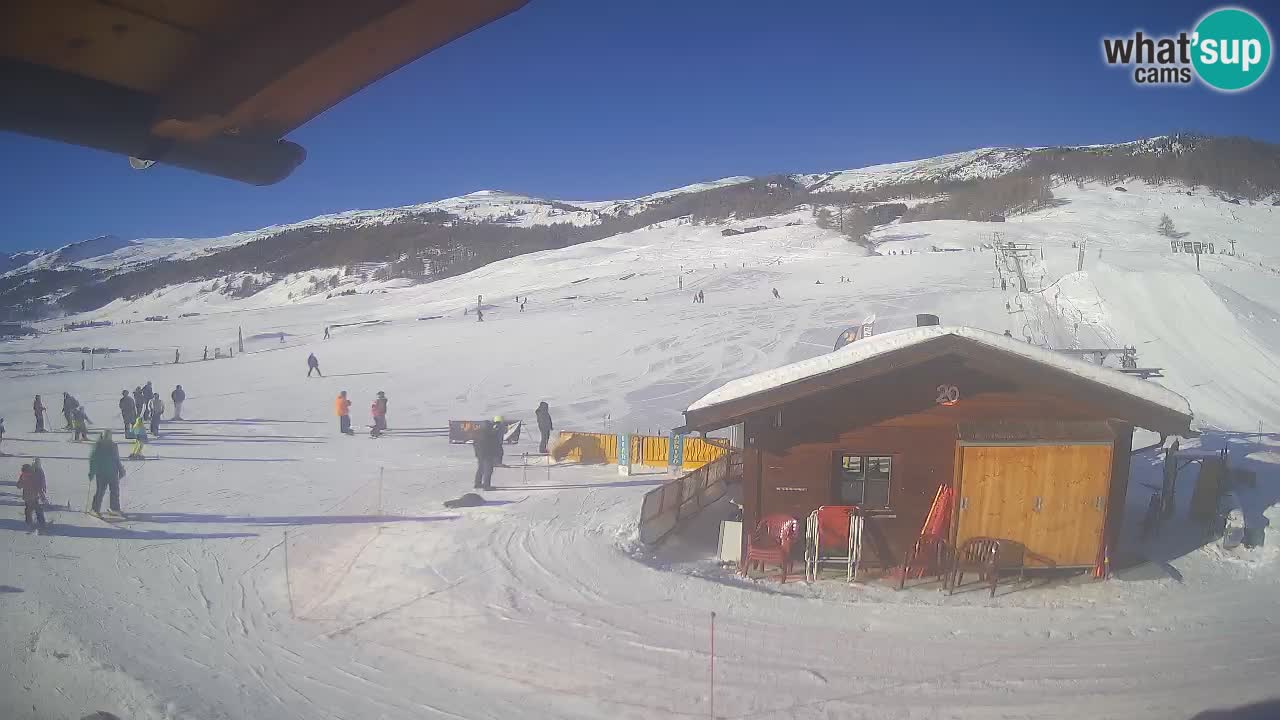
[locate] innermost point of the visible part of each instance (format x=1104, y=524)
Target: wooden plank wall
x=790, y=468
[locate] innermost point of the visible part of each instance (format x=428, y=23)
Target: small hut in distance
x=1035, y=445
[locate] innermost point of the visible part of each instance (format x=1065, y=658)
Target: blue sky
x=582, y=100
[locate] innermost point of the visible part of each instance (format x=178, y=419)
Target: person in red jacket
x=379, y=412
x=32, y=485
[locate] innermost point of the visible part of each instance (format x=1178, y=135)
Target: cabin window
x=863, y=480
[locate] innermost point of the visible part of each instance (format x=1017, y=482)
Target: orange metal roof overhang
x=209, y=85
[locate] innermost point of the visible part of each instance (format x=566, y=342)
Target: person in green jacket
x=105, y=467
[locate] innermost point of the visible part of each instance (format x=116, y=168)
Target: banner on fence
x=463, y=431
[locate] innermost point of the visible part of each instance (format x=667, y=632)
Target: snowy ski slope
x=266, y=572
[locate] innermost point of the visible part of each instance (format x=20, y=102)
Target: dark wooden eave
x=211, y=85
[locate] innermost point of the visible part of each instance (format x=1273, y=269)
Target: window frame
x=838, y=476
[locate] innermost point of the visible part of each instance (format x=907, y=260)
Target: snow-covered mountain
x=437, y=239
x=523, y=211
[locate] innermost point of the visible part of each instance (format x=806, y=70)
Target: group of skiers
x=105, y=470
x=378, y=411
x=488, y=438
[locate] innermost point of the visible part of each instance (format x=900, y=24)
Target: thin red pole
x=713, y=666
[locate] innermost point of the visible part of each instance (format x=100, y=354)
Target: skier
x=543, y=413
x=681, y=282
x=281, y=339
x=479, y=314
x=106, y=469
x=313, y=364
x=175, y=356
x=1, y=434
x=206, y=353
x=342, y=408
x=37, y=407
x=33, y=489
x=326, y=332
x=157, y=411
x=139, y=435
x=80, y=425
x=178, y=395
x=128, y=410
x=379, y=411
x=702, y=298
x=776, y=295
x=68, y=405
x=487, y=444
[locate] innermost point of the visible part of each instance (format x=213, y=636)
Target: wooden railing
x=668, y=506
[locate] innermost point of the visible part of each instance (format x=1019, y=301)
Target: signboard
x=463, y=431
x=624, y=453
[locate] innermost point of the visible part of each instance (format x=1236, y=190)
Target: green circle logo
x=1232, y=49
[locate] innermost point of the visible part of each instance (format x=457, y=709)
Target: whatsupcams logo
x=1229, y=50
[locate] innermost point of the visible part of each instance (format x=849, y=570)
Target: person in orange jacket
x=342, y=408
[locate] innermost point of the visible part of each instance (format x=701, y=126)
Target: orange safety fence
x=591, y=448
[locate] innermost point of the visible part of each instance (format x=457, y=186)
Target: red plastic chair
x=771, y=543
x=827, y=539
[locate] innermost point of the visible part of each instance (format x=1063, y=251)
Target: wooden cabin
x=1036, y=444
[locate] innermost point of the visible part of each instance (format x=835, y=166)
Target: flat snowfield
x=273, y=568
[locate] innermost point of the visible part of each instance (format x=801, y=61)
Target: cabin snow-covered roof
x=1173, y=410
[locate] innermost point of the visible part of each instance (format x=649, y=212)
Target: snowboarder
x=38, y=408
x=156, y=407
x=281, y=340
x=69, y=404
x=543, y=413
x=521, y=307
x=139, y=435
x=379, y=412
x=326, y=332
x=342, y=408
x=487, y=444
x=313, y=364
x=776, y=295
x=178, y=395
x=681, y=281
x=33, y=489
x=128, y=410
x=1008, y=334
x=106, y=469
x=80, y=425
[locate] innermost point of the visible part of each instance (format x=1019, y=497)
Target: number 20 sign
x=948, y=395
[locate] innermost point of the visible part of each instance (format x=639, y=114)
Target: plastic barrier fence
x=649, y=450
